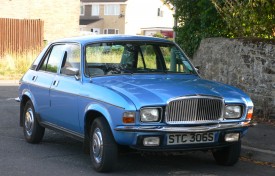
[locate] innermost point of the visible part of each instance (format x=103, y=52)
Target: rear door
x=42, y=80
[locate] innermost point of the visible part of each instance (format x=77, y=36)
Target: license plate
x=190, y=138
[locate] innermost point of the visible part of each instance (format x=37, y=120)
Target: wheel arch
x=92, y=112
x=24, y=99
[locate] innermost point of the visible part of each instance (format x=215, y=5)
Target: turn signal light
x=128, y=120
x=249, y=114
x=128, y=117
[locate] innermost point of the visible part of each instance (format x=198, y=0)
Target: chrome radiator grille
x=194, y=110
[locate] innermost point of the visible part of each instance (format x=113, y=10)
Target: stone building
x=61, y=17
x=246, y=64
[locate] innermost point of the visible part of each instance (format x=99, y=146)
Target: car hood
x=148, y=90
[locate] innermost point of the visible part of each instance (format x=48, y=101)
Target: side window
x=71, y=60
x=175, y=60
x=53, y=59
x=103, y=59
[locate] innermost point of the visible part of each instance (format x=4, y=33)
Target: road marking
x=258, y=150
x=8, y=99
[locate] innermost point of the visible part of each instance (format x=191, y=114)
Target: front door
x=65, y=89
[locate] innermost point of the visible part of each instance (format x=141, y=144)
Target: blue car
x=118, y=91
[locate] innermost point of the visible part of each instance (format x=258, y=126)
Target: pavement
x=9, y=82
x=258, y=144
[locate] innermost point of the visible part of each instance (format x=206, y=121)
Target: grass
x=13, y=66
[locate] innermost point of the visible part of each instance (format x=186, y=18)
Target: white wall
x=143, y=14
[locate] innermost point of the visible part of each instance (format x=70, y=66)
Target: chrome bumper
x=170, y=129
x=17, y=99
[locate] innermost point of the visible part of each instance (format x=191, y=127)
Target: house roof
x=157, y=28
x=84, y=20
x=103, y=0
x=88, y=21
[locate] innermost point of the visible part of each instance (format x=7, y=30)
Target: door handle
x=55, y=83
x=34, y=78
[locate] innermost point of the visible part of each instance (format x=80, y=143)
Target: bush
x=13, y=66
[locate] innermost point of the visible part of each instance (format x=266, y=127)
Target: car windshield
x=135, y=57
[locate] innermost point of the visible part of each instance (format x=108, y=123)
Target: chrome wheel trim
x=97, y=145
x=29, y=121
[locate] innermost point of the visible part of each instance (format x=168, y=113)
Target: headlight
x=150, y=115
x=233, y=112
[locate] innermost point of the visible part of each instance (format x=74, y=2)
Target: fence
x=20, y=35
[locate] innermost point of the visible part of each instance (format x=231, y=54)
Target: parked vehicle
x=141, y=92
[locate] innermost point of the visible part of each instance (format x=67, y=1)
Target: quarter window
x=71, y=59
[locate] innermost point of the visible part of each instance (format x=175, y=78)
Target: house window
x=160, y=12
x=95, y=10
x=111, y=9
x=111, y=31
x=95, y=30
x=82, y=9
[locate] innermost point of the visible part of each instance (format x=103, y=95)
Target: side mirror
x=197, y=69
x=71, y=71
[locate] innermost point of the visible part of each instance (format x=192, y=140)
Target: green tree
x=197, y=19
x=248, y=18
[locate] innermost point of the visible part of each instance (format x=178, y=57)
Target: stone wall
x=61, y=18
x=246, y=64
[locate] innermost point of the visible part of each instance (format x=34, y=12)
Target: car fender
x=101, y=109
x=27, y=92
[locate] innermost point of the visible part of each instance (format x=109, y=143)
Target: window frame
x=97, y=10
x=106, y=31
x=46, y=57
x=115, y=11
x=60, y=66
x=82, y=9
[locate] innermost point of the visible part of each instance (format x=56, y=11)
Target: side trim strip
x=77, y=95
x=65, y=131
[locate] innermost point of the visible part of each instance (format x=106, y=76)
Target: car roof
x=108, y=38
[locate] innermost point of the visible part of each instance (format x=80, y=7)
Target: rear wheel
x=228, y=156
x=103, y=148
x=33, y=132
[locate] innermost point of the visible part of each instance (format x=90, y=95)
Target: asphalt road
x=58, y=155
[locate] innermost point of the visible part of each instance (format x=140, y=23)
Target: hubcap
x=29, y=121
x=97, y=145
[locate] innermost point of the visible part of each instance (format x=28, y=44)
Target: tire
x=33, y=132
x=228, y=156
x=103, y=148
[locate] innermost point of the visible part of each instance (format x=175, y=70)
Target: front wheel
x=103, y=148
x=228, y=156
x=33, y=132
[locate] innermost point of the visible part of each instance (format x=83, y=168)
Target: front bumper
x=176, y=129
x=134, y=136
x=17, y=99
